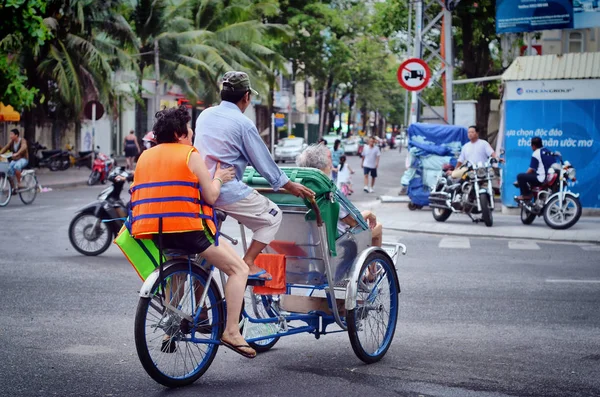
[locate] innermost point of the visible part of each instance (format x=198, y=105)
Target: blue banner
x=514, y=16
x=571, y=127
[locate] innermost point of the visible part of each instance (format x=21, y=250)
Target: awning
x=7, y=113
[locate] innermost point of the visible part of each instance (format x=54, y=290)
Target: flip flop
x=237, y=349
x=168, y=346
x=256, y=276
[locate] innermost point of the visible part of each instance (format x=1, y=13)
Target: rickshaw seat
x=315, y=180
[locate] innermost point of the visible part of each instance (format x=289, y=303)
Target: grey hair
x=314, y=156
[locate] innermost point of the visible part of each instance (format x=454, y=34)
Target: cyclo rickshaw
x=329, y=279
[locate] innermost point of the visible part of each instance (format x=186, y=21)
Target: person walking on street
x=132, y=149
x=336, y=153
x=370, y=163
x=225, y=135
x=19, y=158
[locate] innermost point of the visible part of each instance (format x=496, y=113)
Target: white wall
x=102, y=135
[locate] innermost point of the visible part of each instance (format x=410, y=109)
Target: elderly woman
x=319, y=157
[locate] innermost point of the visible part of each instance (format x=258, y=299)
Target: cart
x=332, y=284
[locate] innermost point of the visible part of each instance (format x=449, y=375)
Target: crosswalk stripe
x=455, y=242
x=523, y=245
x=590, y=247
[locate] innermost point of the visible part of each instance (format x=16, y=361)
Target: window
x=575, y=42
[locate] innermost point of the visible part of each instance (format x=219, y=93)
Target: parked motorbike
x=80, y=159
x=553, y=200
x=54, y=159
x=101, y=169
x=472, y=194
x=88, y=234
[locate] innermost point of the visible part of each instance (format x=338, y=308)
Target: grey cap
x=237, y=81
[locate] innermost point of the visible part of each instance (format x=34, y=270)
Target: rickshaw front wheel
x=372, y=323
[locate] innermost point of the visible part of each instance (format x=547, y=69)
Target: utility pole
x=408, y=45
x=414, y=107
x=156, y=77
x=449, y=66
x=305, y=109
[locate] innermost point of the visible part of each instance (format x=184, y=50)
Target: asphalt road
x=485, y=317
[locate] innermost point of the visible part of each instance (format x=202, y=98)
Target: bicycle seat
x=221, y=215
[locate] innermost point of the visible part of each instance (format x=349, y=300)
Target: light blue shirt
x=225, y=135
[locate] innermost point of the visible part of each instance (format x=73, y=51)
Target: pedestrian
x=344, y=181
x=370, y=163
x=322, y=141
x=336, y=153
x=225, y=135
x=132, y=149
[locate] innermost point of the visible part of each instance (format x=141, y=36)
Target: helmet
x=149, y=140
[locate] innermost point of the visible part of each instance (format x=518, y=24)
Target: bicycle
x=27, y=194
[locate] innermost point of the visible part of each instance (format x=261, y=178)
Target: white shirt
x=341, y=226
x=474, y=153
x=370, y=155
x=343, y=176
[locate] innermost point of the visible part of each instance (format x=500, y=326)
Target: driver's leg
x=526, y=180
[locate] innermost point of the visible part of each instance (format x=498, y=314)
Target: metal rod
x=449, y=65
x=477, y=79
x=414, y=112
x=408, y=48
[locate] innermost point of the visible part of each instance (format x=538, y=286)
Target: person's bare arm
x=211, y=187
x=5, y=148
x=349, y=220
x=138, y=146
x=370, y=218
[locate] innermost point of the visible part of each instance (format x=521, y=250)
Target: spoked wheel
x=29, y=192
x=527, y=217
x=89, y=235
x=565, y=217
x=258, y=307
x=486, y=211
x=175, y=336
x=5, y=190
x=372, y=324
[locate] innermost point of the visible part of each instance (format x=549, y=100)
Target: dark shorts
x=189, y=242
x=131, y=151
x=372, y=171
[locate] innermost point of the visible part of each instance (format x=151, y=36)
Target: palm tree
x=89, y=41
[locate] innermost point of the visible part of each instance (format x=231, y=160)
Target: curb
x=484, y=235
x=65, y=185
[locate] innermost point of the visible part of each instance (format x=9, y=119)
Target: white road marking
x=573, y=281
x=455, y=242
x=523, y=245
x=590, y=247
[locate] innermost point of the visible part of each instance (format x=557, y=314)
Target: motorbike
x=96, y=225
x=81, y=158
x=471, y=195
x=553, y=200
x=55, y=160
x=101, y=169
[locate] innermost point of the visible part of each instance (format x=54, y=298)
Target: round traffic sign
x=413, y=74
x=87, y=110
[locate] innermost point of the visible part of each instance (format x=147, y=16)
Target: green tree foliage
x=22, y=27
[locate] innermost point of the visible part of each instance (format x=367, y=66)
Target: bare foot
x=255, y=269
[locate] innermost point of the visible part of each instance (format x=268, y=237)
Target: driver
x=20, y=156
x=226, y=136
x=475, y=151
x=541, y=161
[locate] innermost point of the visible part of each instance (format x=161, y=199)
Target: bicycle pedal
x=256, y=282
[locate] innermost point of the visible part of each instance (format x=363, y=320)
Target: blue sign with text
x=571, y=127
x=514, y=16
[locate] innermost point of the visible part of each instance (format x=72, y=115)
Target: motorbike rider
x=225, y=135
x=20, y=156
x=475, y=151
x=149, y=140
x=166, y=186
x=541, y=161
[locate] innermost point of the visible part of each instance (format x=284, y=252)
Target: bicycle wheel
x=372, y=323
x=259, y=306
x=169, y=345
x=28, y=194
x=5, y=190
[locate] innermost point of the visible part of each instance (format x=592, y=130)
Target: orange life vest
x=165, y=188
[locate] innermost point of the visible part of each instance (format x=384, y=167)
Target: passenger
x=317, y=156
x=166, y=185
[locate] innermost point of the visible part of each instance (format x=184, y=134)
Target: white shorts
x=258, y=214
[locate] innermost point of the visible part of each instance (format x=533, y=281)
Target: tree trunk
x=363, y=110
x=350, y=106
x=29, y=126
x=327, y=98
x=331, y=113
x=482, y=110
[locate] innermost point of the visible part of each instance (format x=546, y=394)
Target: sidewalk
x=62, y=179
x=397, y=216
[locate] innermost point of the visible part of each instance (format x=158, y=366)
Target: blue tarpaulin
x=431, y=146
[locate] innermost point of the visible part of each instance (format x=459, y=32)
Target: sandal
x=238, y=349
x=256, y=276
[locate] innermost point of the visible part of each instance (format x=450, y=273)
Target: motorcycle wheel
x=89, y=249
x=65, y=164
x=94, y=178
x=527, y=217
x=54, y=165
x=560, y=220
x=412, y=206
x=486, y=211
x=441, y=215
